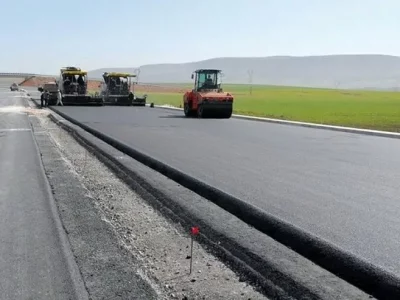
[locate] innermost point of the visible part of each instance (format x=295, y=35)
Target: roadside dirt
x=161, y=247
x=93, y=85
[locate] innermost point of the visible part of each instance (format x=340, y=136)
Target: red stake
x=194, y=231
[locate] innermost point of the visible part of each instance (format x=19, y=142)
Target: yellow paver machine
x=73, y=87
x=117, y=89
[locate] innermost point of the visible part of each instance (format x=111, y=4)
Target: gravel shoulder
x=124, y=248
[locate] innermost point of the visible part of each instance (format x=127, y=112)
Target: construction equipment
x=116, y=89
x=73, y=87
x=207, y=99
x=14, y=87
x=51, y=91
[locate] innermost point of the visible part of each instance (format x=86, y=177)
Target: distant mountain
x=331, y=71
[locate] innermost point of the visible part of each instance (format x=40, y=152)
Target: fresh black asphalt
x=341, y=187
x=34, y=263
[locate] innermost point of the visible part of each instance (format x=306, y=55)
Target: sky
x=41, y=36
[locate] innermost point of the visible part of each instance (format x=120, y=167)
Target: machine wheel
x=186, y=110
x=200, y=111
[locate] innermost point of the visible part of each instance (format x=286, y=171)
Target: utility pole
x=137, y=74
x=250, y=73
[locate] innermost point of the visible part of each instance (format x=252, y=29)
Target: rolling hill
x=331, y=71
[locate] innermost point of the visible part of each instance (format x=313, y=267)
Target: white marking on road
x=14, y=108
x=15, y=129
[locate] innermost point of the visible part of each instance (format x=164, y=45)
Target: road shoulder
x=109, y=271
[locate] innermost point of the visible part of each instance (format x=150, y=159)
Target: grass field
x=362, y=109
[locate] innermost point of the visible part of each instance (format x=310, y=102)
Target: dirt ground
x=93, y=86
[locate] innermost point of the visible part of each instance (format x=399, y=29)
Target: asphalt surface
x=34, y=263
x=341, y=187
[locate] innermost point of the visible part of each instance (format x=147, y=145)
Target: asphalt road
x=33, y=262
x=341, y=187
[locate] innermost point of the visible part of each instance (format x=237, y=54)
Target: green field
x=362, y=109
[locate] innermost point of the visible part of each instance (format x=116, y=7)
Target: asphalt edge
x=80, y=289
x=367, y=277
x=353, y=130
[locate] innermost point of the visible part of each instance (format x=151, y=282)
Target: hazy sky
x=42, y=36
